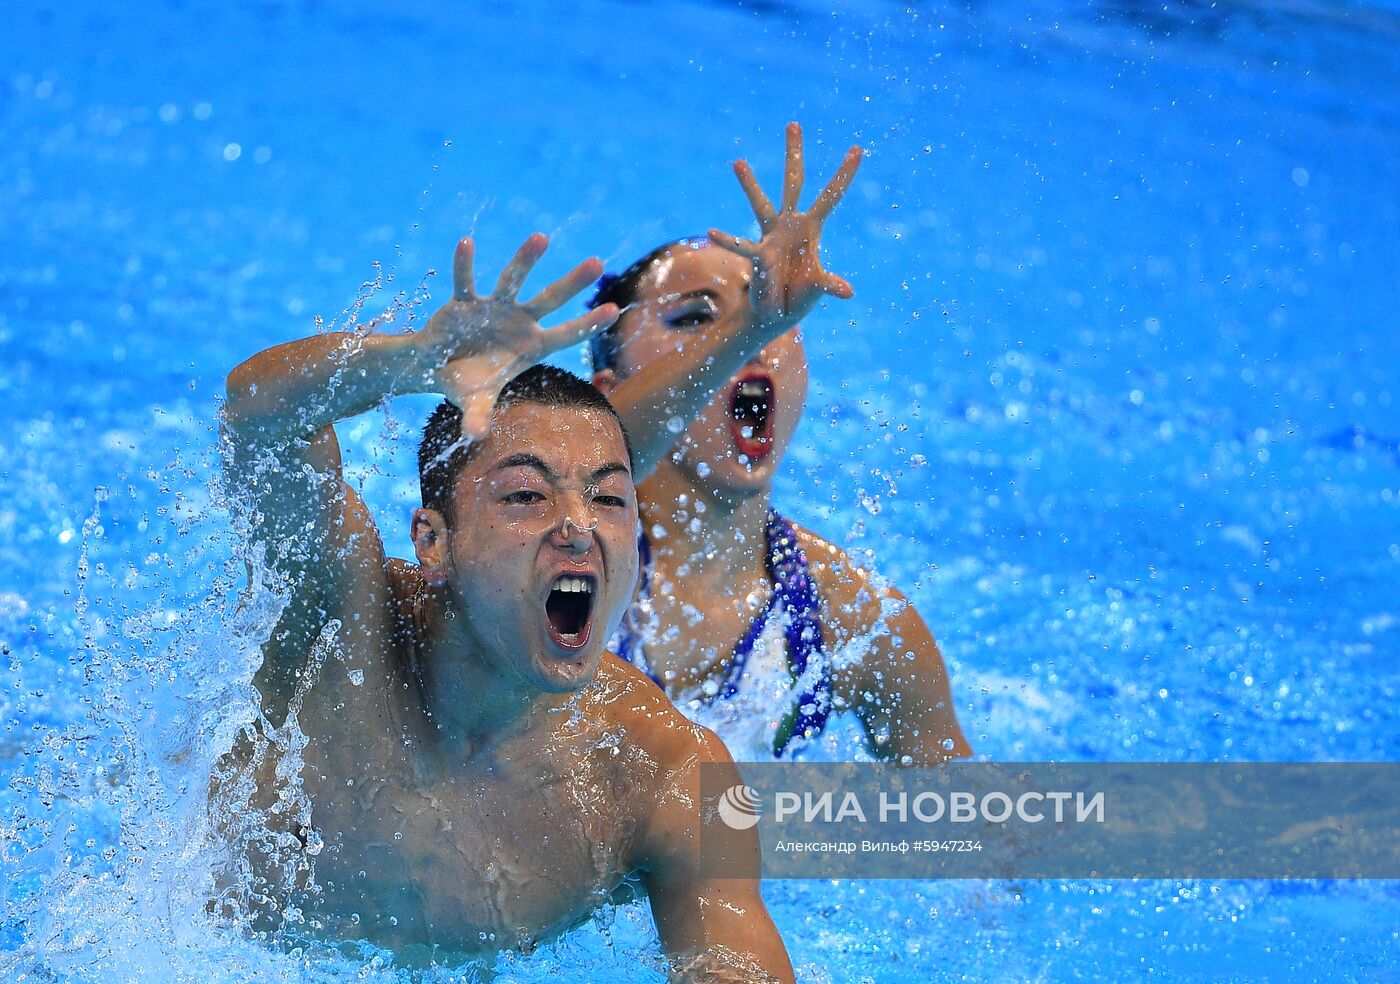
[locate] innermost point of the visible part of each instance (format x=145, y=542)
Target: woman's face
x=734, y=446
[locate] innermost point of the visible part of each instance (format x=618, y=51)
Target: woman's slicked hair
x=604, y=348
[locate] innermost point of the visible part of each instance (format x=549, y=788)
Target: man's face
x=544, y=542
x=735, y=444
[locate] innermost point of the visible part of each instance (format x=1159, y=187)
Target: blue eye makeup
x=696, y=311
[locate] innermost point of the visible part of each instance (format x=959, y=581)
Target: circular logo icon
x=739, y=807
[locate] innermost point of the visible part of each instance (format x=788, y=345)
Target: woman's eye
x=693, y=315
x=525, y=497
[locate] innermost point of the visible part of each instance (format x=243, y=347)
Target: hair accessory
x=604, y=282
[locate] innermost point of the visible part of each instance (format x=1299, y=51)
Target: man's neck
x=474, y=702
x=707, y=534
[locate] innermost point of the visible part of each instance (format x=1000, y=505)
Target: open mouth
x=569, y=609
x=751, y=416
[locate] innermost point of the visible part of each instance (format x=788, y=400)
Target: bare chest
x=480, y=860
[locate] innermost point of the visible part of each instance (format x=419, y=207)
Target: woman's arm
x=788, y=281
x=889, y=668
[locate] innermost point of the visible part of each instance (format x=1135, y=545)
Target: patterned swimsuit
x=790, y=620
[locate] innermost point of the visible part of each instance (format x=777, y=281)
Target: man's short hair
x=442, y=453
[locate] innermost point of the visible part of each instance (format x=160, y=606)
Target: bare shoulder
x=893, y=675
x=630, y=701
x=666, y=775
x=852, y=596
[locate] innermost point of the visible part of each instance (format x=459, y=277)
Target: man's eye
x=610, y=500
x=525, y=497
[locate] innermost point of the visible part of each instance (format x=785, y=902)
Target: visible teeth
x=753, y=388
x=573, y=584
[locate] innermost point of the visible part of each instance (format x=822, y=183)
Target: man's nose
x=576, y=525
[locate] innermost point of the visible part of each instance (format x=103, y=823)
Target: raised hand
x=788, y=276
x=478, y=344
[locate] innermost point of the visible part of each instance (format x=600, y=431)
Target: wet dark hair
x=604, y=348
x=442, y=453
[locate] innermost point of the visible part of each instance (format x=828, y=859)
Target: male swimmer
x=740, y=611
x=481, y=775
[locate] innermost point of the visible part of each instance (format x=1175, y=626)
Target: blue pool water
x=1117, y=404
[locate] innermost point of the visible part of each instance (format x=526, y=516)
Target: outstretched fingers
x=734, y=244
x=513, y=276
x=463, y=284
x=836, y=188
x=579, y=329
x=837, y=287
x=762, y=207
x=558, y=293
x=792, y=171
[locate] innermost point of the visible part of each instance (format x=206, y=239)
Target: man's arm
x=281, y=446
x=788, y=282
x=896, y=680
x=469, y=349
x=317, y=538
x=713, y=929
